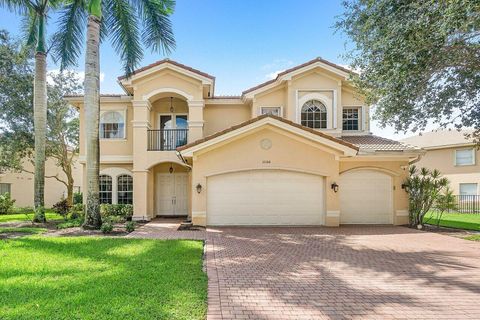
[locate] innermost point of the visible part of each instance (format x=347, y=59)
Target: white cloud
x=274, y=74
x=275, y=67
x=80, y=75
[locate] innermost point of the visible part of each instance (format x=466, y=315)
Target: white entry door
x=171, y=194
x=366, y=197
x=265, y=197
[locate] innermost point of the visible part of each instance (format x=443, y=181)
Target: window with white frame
x=125, y=189
x=464, y=157
x=275, y=111
x=350, y=119
x=5, y=188
x=112, y=125
x=105, y=186
x=468, y=189
x=314, y=115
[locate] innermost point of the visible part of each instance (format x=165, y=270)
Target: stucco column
x=141, y=124
x=332, y=200
x=199, y=200
x=195, y=120
x=141, y=183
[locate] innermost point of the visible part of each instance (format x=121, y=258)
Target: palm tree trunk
x=92, y=115
x=40, y=122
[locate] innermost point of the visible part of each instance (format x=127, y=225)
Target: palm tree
x=120, y=20
x=34, y=21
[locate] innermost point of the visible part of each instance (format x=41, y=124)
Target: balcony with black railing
x=166, y=139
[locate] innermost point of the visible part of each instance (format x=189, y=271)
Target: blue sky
x=241, y=43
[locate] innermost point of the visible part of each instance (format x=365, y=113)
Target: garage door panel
x=265, y=197
x=366, y=197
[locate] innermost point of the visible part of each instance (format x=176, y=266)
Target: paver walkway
x=354, y=272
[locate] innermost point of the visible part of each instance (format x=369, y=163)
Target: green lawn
x=101, y=278
x=455, y=220
x=23, y=230
x=27, y=217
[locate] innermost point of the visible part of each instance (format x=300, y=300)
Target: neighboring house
x=20, y=184
x=453, y=155
x=295, y=150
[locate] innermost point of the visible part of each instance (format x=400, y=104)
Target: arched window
x=112, y=125
x=105, y=186
x=125, y=189
x=314, y=115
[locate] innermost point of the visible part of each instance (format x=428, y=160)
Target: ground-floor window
x=125, y=189
x=105, y=185
x=5, y=188
x=468, y=189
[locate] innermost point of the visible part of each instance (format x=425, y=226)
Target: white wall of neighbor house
x=21, y=186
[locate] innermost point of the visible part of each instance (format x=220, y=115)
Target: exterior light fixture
x=334, y=187
x=199, y=188
x=171, y=105
x=405, y=187
x=170, y=169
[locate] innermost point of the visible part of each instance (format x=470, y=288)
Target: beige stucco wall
x=444, y=160
x=21, y=184
x=219, y=117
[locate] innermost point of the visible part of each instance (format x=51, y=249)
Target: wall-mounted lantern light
x=170, y=169
x=199, y=188
x=334, y=187
x=405, y=187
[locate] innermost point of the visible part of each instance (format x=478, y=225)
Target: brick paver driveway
x=341, y=273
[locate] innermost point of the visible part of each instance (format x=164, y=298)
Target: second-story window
x=275, y=111
x=350, y=119
x=112, y=125
x=464, y=157
x=314, y=115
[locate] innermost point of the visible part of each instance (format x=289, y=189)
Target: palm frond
x=122, y=25
x=29, y=26
x=68, y=40
x=18, y=6
x=157, y=28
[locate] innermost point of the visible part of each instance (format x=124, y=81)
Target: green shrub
x=120, y=210
x=77, y=198
x=130, y=226
x=106, y=227
x=76, y=211
x=62, y=208
x=70, y=224
x=6, y=203
x=114, y=219
x=22, y=210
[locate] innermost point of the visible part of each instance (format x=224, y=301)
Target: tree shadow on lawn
x=100, y=278
x=338, y=272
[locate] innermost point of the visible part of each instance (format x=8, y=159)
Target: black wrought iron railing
x=468, y=203
x=166, y=139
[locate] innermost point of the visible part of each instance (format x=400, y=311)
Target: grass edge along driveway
x=101, y=278
x=455, y=220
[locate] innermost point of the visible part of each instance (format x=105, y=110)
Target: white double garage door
x=279, y=197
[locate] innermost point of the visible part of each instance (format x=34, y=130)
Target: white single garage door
x=366, y=197
x=265, y=197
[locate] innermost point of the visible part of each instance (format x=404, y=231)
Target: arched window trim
x=313, y=114
x=125, y=189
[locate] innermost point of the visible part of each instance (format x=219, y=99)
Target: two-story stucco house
x=455, y=156
x=295, y=150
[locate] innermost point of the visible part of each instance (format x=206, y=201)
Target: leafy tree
x=425, y=188
x=419, y=60
x=17, y=116
x=34, y=13
x=446, y=202
x=121, y=20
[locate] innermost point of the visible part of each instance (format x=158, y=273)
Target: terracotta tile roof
x=113, y=95
x=253, y=120
x=296, y=68
x=375, y=143
x=171, y=62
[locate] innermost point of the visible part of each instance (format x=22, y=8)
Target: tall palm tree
x=121, y=20
x=34, y=22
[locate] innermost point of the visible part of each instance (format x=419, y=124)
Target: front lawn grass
x=28, y=217
x=22, y=230
x=101, y=278
x=455, y=220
